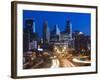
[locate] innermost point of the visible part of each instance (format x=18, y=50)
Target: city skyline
x=42, y=45
x=59, y=18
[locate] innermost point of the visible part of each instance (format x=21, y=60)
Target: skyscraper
x=55, y=34
x=29, y=35
x=34, y=27
x=66, y=35
x=46, y=32
x=69, y=28
x=57, y=30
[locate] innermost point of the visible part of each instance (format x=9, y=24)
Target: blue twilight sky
x=80, y=21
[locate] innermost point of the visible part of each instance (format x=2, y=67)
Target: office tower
x=46, y=33
x=69, y=28
x=29, y=35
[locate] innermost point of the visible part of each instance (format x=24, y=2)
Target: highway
x=61, y=63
